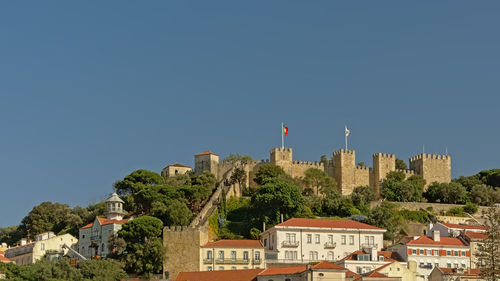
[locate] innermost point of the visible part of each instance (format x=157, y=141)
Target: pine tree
x=489, y=251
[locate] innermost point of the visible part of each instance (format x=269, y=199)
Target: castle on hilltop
x=342, y=167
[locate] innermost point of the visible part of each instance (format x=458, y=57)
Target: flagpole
x=282, y=137
x=345, y=133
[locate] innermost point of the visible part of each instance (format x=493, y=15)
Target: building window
x=436, y=253
x=209, y=268
x=309, y=238
x=245, y=255
x=42, y=246
x=233, y=255
x=436, y=264
x=290, y=237
x=221, y=268
x=463, y=265
x=448, y=253
x=265, y=242
x=372, y=240
x=330, y=239
x=342, y=239
x=463, y=254
x=330, y=255
x=448, y=265
x=421, y=252
x=316, y=238
x=233, y=267
x=414, y=251
x=313, y=255
x=455, y=253
x=421, y=264
x=351, y=239
x=429, y=265
x=209, y=255
x=257, y=255
x=221, y=255
x=456, y=265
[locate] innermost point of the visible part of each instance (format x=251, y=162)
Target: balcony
x=231, y=261
x=208, y=261
x=95, y=238
x=290, y=244
x=369, y=246
x=330, y=245
x=259, y=261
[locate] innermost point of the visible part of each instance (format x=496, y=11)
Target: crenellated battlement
x=384, y=155
x=178, y=228
x=363, y=168
x=308, y=163
x=407, y=173
x=343, y=151
x=430, y=156
x=282, y=149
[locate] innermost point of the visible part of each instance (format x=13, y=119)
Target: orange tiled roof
x=220, y=275
x=206, y=152
x=327, y=223
x=388, y=255
x=476, y=235
x=3, y=258
x=444, y=241
x=350, y=274
x=246, y=243
x=465, y=226
x=376, y=274
x=103, y=221
x=469, y=271
x=283, y=270
x=327, y=265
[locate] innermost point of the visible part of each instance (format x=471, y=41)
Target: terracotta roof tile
x=3, y=258
x=244, y=243
x=444, y=241
x=350, y=274
x=206, y=152
x=476, y=235
x=327, y=265
x=178, y=165
x=283, y=270
x=388, y=255
x=327, y=223
x=465, y=226
x=220, y=275
x=103, y=221
x=376, y=274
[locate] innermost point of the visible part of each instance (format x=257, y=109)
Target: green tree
x=275, y=197
x=470, y=208
x=331, y=203
x=206, y=179
x=361, y=196
x=400, y=164
x=319, y=181
x=453, y=193
x=469, y=182
x=136, y=181
x=489, y=251
x=238, y=157
x=178, y=180
x=10, y=235
x=395, y=188
x=172, y=213
x=144, y=251
x=102, y=270
x=268, y=172
x=239, y=176
x=386, y=216
x=490, y=177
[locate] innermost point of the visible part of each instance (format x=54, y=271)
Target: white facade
x=453, y=230
x=303, y=240
x=94, y=237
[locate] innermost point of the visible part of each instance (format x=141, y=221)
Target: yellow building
x=324, y=270
x=455, y=274
x=45, y=243
x=397, y=269
x=231, y=255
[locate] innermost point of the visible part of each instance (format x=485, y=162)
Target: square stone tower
x=206, y=161
x=383, y=163
x=432, y=167
x=344, y=165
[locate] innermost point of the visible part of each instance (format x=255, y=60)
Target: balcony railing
x=290, y=244
x=231, y=261
x=208, y=261
x=259, y=261
x=330, y=245
x=95, y=237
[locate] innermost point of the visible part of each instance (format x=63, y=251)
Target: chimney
x=435, y=236
x=281, y=217
x=264, y=227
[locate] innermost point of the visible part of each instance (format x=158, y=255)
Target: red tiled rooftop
x=476, y=235
x=465, y=226
x=178, y=165
x=376, y=274
x=327, y=265
x=3, y=258
x=206, y=152
x=444, y=241
x=469, y=271
x=220, y=275
x=327, y=223
x=350, y=274
x=283, y=270
x=244, y=243
x=104, y=221
x=388, y=255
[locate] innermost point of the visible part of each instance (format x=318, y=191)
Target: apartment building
x=232, y=255
x=302, y=240
x=364, y=261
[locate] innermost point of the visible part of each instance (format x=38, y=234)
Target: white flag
x=347, y=132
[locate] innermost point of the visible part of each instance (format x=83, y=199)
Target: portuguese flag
x=285, y=130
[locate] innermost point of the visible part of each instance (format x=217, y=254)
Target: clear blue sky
x=92, y=90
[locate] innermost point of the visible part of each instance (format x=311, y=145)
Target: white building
x=453, y=230
x=94, y=236
x=366, y=261
x=301, y=240
x=448, y=252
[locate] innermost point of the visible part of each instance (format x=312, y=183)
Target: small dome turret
x=114, y=207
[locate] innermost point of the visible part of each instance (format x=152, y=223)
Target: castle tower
x=114, y=207
x=206, y=161
x=432, y=167
x=383, y=163
x=281, y=156
x=344, y=165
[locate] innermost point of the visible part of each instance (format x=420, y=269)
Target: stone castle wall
x=432, y=167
